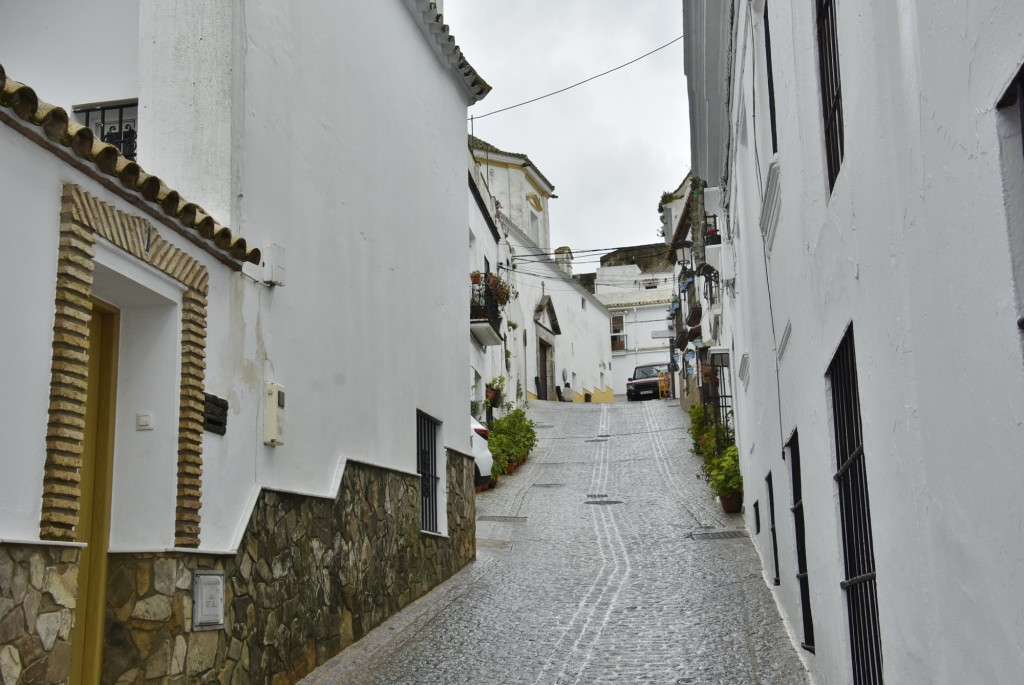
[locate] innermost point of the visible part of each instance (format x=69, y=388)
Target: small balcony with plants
x=487, y=295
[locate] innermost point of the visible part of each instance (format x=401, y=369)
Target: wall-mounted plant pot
x=731, y=504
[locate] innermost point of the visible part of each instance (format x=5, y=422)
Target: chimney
x=563, y=258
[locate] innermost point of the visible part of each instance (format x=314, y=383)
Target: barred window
x=793, y=448
x=426, y=466
x=771, y=77
x=831, y=91
x=855, y=515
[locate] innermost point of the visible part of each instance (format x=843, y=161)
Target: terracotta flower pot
x=731, y=504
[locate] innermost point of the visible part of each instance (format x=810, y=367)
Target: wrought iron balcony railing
x=114, y=123
x=483, y=307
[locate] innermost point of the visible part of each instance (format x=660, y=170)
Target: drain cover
x=719, y=535
x=596, y=496
x=603, y=501
x=503, y=519
x=543, y=425
x=597, y=440
x=499, y=545
x=549, y=485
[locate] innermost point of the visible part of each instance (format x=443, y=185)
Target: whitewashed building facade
x=870, y=164
x=636, y=284
x=277, y=412
x=559, y=346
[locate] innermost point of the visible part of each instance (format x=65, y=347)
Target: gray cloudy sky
x=610, y=146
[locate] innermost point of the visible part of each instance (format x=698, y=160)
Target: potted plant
x=495, y=387
x=474, y=277
x=500, y=289
x=725, y=479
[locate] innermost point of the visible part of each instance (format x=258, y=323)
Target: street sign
x=663, y=334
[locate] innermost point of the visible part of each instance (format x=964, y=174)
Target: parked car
x=481, y=452
x=643, y=384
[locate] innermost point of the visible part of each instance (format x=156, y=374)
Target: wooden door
x=94, y=515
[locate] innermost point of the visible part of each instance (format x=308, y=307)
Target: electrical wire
x=562, y=90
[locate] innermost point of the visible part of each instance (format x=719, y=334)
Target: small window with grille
x=831, y=90
x=793, y=450
x=427, y=434
x=771, y=524
x=113, y=122
x=771, y=77
x=851, y=476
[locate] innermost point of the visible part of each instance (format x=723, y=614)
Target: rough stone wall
x=38, y=589
x=311, y=576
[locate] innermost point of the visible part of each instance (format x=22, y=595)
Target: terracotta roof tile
x=446, y=48
x=56, y=126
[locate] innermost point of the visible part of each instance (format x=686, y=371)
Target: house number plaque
x=207, y=600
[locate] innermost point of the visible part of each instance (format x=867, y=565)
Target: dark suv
x=644, y=383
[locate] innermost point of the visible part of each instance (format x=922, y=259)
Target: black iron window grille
x=771, y=524
x=716, y=386
x=426, y=466
x=771, y=78
x=801, y=544
x=831, y=91
x=855, y=514
x=114, y=123
x=483, y=305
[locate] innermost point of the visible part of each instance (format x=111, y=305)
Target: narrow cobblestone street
x=595, y=564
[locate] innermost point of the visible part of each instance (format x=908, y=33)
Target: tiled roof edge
x=483, y=146
x=55, y=124
x=447, y=50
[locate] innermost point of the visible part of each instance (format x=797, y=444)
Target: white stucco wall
x=511, y=183
x=911, y=246
x=144, y=462
x=486, y=362
x=644, y=311
x=351, y=155
x=584, y=347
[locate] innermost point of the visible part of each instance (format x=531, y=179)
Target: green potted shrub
x=495, y=387
x=724, y=476
x=511, y=439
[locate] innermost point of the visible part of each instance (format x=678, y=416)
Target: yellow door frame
x=96, y=473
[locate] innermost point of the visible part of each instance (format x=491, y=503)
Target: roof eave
x=439, y=37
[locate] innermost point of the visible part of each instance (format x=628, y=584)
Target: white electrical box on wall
x=273, y=415
x=273, y=264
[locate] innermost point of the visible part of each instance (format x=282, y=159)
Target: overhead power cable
x=604, y=73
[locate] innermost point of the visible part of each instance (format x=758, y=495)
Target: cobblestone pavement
x=593, y=566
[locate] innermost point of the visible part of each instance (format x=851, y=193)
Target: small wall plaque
x=207, y=599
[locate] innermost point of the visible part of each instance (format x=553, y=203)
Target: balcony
x=484, y=315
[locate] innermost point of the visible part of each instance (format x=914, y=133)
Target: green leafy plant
x=501, y=289
x=724, y=473
x=512, y=437
x=698, y=420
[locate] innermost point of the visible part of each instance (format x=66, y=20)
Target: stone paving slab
x=565, y=590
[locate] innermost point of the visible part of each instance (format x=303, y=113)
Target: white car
x=481, y=452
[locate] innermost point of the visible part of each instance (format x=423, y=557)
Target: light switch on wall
x=144, y=421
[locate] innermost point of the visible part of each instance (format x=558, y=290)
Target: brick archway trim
x=82, y=218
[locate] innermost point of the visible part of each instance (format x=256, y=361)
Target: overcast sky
x=611, y=146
